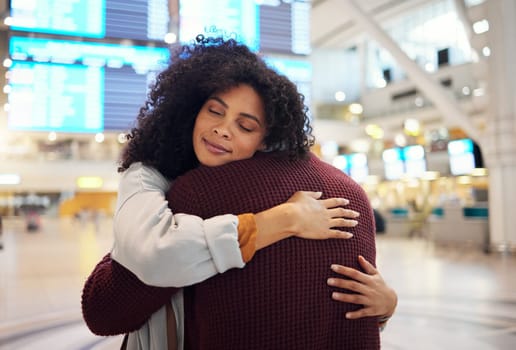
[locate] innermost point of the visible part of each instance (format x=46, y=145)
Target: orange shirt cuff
x=247, y=231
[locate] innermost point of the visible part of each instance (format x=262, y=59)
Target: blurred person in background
x=379, y=221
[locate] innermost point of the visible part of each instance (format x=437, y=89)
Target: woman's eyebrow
x=247, y=115
x=218, y=99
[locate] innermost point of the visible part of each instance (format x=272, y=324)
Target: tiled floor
x=449, y=298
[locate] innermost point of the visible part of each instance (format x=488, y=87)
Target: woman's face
x=230, y=126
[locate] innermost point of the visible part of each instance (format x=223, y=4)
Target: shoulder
x=142, y=177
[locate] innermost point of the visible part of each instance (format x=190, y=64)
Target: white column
x=362, y=50
x=499, y=146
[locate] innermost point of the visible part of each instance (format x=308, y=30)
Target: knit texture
x=114, y=301
x=280, y=300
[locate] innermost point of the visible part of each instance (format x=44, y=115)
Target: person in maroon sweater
x=281, y=299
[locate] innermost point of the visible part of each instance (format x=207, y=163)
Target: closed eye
x=213, y=111
x=245, y=128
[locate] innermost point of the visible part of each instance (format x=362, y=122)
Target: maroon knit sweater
x=280, y=300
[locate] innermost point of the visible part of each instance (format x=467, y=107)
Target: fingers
x=349, y=298
x=343, y=213
x=341, y=222
x=357, y=300
x=351, y=273
x=351, y=285
x=367, y=266
x=365, y=312
x=348, y=213
x=339, y=234
x=335, y=202
x=312, y=194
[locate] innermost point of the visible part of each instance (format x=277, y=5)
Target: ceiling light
x=481, y=26
x=340, y=96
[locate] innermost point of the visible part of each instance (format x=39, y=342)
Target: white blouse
x=165, y=249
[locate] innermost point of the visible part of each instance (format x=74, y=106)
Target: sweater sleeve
x=114, y=301
x=165, y=249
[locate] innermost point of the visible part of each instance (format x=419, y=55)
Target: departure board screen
x=285, y=27
x=68, y=86
x=267, y=26
x=137, y=19
x=298, y=71
x=238, y=18
x=55, y=97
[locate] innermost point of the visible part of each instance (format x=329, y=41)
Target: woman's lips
x=215, y=148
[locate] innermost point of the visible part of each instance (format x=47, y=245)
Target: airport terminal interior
x=412, y=99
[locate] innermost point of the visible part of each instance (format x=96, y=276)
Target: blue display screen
x=237, y=18
x=358, y=168
x=415, y=163
x=354, y=165
x=462, y=158
x=393, y=163
x=55, y=97
x=409, y=161
x=298, y=71
x=139, y=20
x=67, y=86
x=267, y=26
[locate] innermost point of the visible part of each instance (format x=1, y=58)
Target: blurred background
x=413, y=99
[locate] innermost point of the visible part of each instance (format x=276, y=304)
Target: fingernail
x=346, y=201
x=334, y=267
x=356, y=214
x=347, y=234
x=331, y=281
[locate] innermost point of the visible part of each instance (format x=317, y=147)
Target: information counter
x=460, y=225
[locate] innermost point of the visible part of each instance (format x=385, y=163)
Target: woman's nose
x=222, y=131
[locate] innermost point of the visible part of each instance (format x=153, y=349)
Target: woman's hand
x=306, y=216
x=373, y=293
x=319, y=218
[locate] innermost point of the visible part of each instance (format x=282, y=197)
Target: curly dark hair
x=163, y=135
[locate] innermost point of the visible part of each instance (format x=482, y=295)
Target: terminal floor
x=449, y=297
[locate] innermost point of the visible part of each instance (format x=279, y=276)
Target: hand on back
x=321, y=218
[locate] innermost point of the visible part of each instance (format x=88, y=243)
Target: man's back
x=280, y=300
